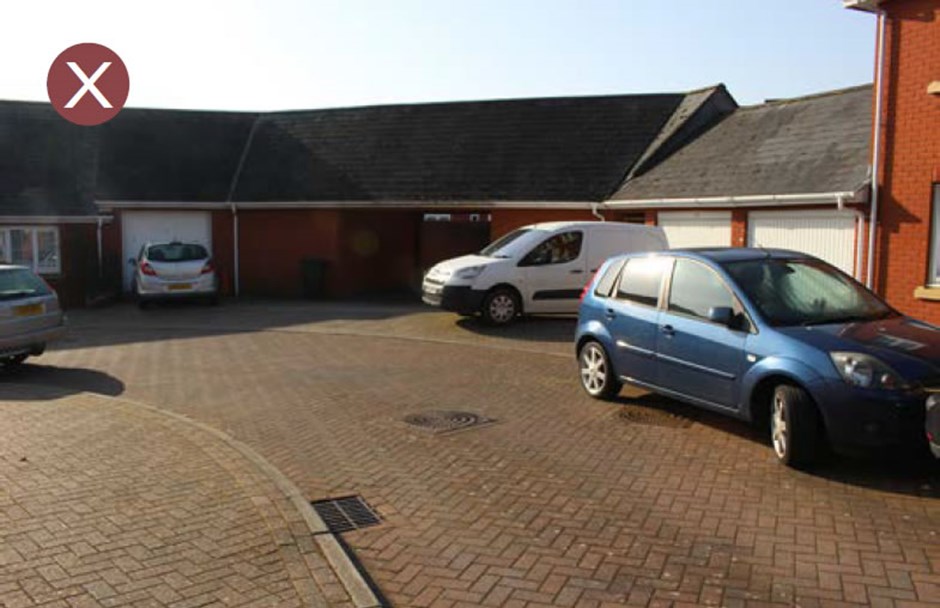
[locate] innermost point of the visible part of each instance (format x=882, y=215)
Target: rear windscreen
x=21, y=283
x=176, y=252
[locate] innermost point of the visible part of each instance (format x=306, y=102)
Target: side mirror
x=722, y=315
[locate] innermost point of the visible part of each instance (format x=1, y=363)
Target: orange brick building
x=906, y=132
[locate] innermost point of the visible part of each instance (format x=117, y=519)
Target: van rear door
x=615, y=239
x=554, y=273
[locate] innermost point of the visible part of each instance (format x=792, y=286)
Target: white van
x=540, y=268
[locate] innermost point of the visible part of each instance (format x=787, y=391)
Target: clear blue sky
x=283, y=54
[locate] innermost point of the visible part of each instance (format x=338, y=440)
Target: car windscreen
x=21, y=283
x=805, y=291
x=496, y=249
x=176, y=252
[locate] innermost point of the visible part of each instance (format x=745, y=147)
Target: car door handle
x=668, y=330
x=576, y=271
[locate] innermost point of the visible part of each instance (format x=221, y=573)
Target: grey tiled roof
x=566, y=149
x=560, y=149
x=815, y=144
x=170, y=155
x=46, y=163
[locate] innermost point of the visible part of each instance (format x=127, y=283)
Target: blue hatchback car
x=771, y=336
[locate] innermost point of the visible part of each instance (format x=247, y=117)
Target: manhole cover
x=446, y=421
x=653, y=417
x=345, y=514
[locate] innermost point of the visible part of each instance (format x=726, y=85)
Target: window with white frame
x=32, y=246
x=933, y=278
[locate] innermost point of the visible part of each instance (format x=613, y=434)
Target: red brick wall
x=376, y=252
x=911, y=154
x=78, y=248
x=739, y=228
x=223, y=250
x=505, y=220
x=273, y=243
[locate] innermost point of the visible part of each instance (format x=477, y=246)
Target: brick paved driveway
x=561, y=502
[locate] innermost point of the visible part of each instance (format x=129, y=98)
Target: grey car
x=30, y=315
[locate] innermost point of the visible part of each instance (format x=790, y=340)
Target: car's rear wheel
x=794, y=426
x=500, y=306
x=597, y=375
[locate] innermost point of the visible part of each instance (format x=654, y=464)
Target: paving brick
x=559, y=497
x=105, y=501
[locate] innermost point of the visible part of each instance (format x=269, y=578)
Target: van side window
x=561, y=248
x=642, y=279
x=606, y=284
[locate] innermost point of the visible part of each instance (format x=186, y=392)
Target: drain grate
x=445, y=421
x=651, y=416
x=345, y=514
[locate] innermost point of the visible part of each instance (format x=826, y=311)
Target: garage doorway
x=140, y=227
x=696, y=228
x=827, y=234
x=448, y=235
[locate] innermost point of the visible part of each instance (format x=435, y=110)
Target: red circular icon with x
x=88, y=84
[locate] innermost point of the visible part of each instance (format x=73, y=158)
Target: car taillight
x=147, y=269
x=587, y=285
x=208, y=268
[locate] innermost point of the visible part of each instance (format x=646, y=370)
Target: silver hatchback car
x=30, y=315
x=164, y=271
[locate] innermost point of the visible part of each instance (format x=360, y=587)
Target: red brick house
x=357, y=188
x=353, y=186
x=906, y=135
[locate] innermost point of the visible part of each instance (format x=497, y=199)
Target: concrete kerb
x=356, y=587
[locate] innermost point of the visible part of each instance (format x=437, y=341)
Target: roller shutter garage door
x=140, y=227
x=696, y=228
x=826, y=234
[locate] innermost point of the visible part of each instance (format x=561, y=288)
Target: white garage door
x=139, y=227
x=826, y=234
x=696, y=228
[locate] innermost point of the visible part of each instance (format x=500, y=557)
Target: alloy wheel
x=593, y=369
x=778, y=427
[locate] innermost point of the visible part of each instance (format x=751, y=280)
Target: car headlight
x=471, y=272
x=866, y=371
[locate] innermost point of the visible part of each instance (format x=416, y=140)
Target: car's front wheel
x=597, y=375
x=794, y=426
x=500, y=306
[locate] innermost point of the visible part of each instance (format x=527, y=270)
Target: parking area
x=557, y=500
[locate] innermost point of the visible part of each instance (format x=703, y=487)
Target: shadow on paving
x=61, y=381
x=124, y=322
x=912, y=472
x=530, y=329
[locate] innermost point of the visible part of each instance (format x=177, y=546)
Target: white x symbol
x=88, y=84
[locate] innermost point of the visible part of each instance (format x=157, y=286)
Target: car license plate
x=27, y=310
x=180, y=286
x=432, y=291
